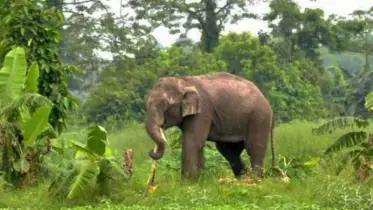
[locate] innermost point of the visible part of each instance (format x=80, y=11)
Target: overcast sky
x=329, y=6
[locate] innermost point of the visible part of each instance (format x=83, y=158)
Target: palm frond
x=340, y=123
x=347, y=140
x=86, y=177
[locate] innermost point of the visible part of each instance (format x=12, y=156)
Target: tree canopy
x=305, y=63
x=208, y=16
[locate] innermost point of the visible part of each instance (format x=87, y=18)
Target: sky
x=329, y=7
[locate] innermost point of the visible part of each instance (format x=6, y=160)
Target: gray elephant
x=219, y=107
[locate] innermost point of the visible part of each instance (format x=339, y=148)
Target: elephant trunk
x=156, y=133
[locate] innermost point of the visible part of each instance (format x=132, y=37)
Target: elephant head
x=169, y=101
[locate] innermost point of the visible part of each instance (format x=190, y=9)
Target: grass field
x=318, y=188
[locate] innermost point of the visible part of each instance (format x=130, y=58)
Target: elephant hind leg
x=256, y=144
x=231, y=152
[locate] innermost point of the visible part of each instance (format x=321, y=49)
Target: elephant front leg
x=190, y=158
x=201, y=159
x=195, y=132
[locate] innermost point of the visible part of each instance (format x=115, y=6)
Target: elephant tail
x=273, y=142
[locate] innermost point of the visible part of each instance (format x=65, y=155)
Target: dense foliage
x=310, y=67
x=24, y=115
x=33, y=25
x=296, y=65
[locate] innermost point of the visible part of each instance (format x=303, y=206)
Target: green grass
x=321, y=189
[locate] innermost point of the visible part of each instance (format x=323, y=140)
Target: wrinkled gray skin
x=218, y=107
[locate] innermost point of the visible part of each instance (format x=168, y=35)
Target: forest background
x=87, y=71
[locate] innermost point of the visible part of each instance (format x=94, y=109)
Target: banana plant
x=24, y=115
x=357, y=145
x=94, y=164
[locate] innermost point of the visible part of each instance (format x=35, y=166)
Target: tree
x=24, y=115
x=356, y=35
x=34, y=26
x=298, y=32
x=209, y=16
x=55, y=3
x=89, y=28
x=301, y=35
x=290, y=94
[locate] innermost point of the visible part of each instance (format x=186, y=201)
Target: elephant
x=218, y=107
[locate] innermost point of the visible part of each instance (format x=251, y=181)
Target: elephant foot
x=191, y=176
x=239, y=170
x=241, y=174
x=258, y=172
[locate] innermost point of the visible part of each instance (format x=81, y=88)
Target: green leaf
x=50, y=132
x=86, y=177
x=64, y=179
x=340, y=123
x=313, y=162
x=37, y=124
x=115, y=166
x=26, y=99
x=347, y=140
x=25, y=114
x=358, y=160
x=60, y=18
x=62, y=142
x=81, y=154
x=83, y=151
x=97, y=139
x=369, y=102
x=24, y=117
x=13, y=75
x=346, y=159
x=32, y=78
x=108, y=152
x=65, y=140
x=29, y=42
x=21, y=165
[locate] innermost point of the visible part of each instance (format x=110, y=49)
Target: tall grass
x=321, y=189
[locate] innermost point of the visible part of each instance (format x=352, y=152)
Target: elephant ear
x=191, y=102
